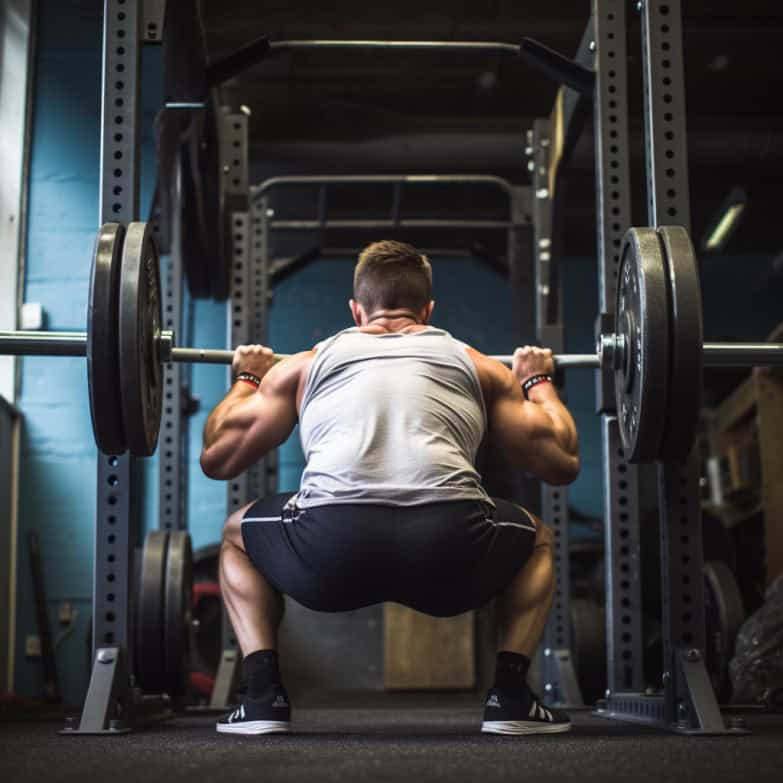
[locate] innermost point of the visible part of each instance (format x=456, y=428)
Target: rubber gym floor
x=390, y=738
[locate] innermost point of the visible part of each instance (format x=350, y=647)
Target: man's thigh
x=270, y=507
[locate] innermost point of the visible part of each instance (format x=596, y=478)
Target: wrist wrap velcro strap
x=534, y=381
x=248, y=377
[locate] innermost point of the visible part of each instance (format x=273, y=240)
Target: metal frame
x=520, y=258
x=174, y=432
x=688, y=704
x=560, y=683
x=550, y=142
x=234, y=164
x=543, y=196
x=493, y=47
x=266, y=470
x=152, y=14
x=625, y=670
x=109, y=706
x=394, y=221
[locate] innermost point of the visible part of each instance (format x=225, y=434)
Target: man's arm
x=249, y=422
x=538, y=434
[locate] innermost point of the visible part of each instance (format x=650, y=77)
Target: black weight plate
x=190, y=230
x=184, y=52
x=139, y=326
x=177, y=614
x=724, y=615
x=642, y=318
x=168, y=128
x=103, y=371
x=588, y=647
x=150, y=667
x=211, y=176
x=685, y=324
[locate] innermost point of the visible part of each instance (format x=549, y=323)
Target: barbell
x=656, y=351
x=35, y=343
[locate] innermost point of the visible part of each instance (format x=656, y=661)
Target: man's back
x=393, y=418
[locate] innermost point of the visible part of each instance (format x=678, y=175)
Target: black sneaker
x=504, y=714
x=267, y=714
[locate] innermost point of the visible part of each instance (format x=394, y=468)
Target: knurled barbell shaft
x=212, y=356
x=75, y=344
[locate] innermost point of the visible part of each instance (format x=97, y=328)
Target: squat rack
x=687, y=702
x=111, y=700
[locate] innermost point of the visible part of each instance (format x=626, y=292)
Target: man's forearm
x=545, y=396
x=237, y=394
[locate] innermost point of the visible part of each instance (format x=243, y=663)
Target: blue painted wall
x=57, y=492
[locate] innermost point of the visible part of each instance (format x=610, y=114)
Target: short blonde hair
x=392, y=275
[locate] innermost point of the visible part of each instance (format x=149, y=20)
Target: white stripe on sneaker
x=255, y=727
x=523, y=727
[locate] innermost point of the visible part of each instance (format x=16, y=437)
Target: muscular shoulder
x=496, y=379
x=287, y=376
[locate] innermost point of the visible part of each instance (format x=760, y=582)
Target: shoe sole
x=518, y=727
x=255, y=727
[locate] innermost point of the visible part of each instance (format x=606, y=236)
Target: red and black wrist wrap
x=534, y=381
x=248, y=377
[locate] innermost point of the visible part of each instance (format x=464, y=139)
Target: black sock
x=511, y=673
x=262, y=671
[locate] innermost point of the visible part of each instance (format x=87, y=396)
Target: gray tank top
x=392, y=418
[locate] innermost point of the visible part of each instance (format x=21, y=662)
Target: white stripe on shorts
x=261, y=519
x=513, y=524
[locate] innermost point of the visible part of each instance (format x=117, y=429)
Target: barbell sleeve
x=743, y=354
x=43, y=343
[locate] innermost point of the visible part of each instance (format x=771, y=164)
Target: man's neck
x=393, y=322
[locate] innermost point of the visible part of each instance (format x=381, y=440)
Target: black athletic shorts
x=439, y=558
